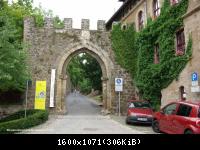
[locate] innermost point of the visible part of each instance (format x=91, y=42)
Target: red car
x=178, y=118
x=139, y=112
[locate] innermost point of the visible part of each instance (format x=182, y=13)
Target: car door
x=180, y=120
x=167, y=114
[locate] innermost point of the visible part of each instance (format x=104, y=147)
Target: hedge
x=16, y=122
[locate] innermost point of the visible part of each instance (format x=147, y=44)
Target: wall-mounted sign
x=52, y=89
x=194, y=76
x=195, y=89
x=40, y=95
x=195, y=83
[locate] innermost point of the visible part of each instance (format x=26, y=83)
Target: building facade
x=136, y=12
x=187, y=86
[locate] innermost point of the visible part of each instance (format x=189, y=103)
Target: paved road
x=147, y=129
x=78, y=104
x=83, y=118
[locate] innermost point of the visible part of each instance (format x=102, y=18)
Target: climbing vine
x=124, y=47
x=151, y=78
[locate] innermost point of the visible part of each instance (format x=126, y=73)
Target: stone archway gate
x=50, y=48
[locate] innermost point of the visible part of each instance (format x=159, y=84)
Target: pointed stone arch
x=104, y=61
x=51, y=48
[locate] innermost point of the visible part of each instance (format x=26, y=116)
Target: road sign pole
x=118, y=88
x=26, y=97
x=119, y=104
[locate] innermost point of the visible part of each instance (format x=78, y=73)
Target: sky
x=81, y=9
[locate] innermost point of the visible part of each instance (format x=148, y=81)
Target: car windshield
x=139, y=105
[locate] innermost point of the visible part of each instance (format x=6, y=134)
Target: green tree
x=75, y=71
x=92, y=71
x=13, y=69
x=58, y=23
x=85, y=73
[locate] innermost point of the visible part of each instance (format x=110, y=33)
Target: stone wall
x=191, y=29
x=51, y=48
x=9, y=109
x=128, y=90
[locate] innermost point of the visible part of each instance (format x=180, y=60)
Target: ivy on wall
x=124, y=47
x=151, y=78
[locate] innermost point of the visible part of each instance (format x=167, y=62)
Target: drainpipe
x=145, y=11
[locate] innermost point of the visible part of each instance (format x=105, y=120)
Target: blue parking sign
x=119, y=81
x=194, y=76
x=118, y=84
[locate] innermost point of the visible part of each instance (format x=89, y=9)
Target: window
x=184, y=110
x=156, y=8
x=139, y=105
x=140, y=20
x=131, y=105
x=170, y=109
x=114, y=24
x=174, y=2
x=199, y=113
x=182, y=92
x=156, y=54
x=124, y=27
x=180, y=42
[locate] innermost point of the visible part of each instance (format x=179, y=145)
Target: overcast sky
x=78, y=9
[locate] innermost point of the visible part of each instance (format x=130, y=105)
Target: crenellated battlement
x=68, y=23
x=52, y=47
x=85, y=24
x=101, y=25
x=29, y=23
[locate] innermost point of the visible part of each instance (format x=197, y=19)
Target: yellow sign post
x=40, y=95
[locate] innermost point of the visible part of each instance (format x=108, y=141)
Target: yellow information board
x=40, y=95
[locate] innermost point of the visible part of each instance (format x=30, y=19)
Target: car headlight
x=133, y=114
x=150, y=116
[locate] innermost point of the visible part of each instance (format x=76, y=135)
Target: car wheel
x=189, y=132
x=155, y=126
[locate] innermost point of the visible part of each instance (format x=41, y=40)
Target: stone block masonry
x=68, y=23
x=51, y=48
x=85, y=24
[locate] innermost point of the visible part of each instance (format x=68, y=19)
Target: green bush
x=17, y=121
x=18, y=115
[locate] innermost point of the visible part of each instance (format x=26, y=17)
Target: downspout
x=145, y=11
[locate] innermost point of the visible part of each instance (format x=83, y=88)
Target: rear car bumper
x=196, y=131
x=143, y=120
